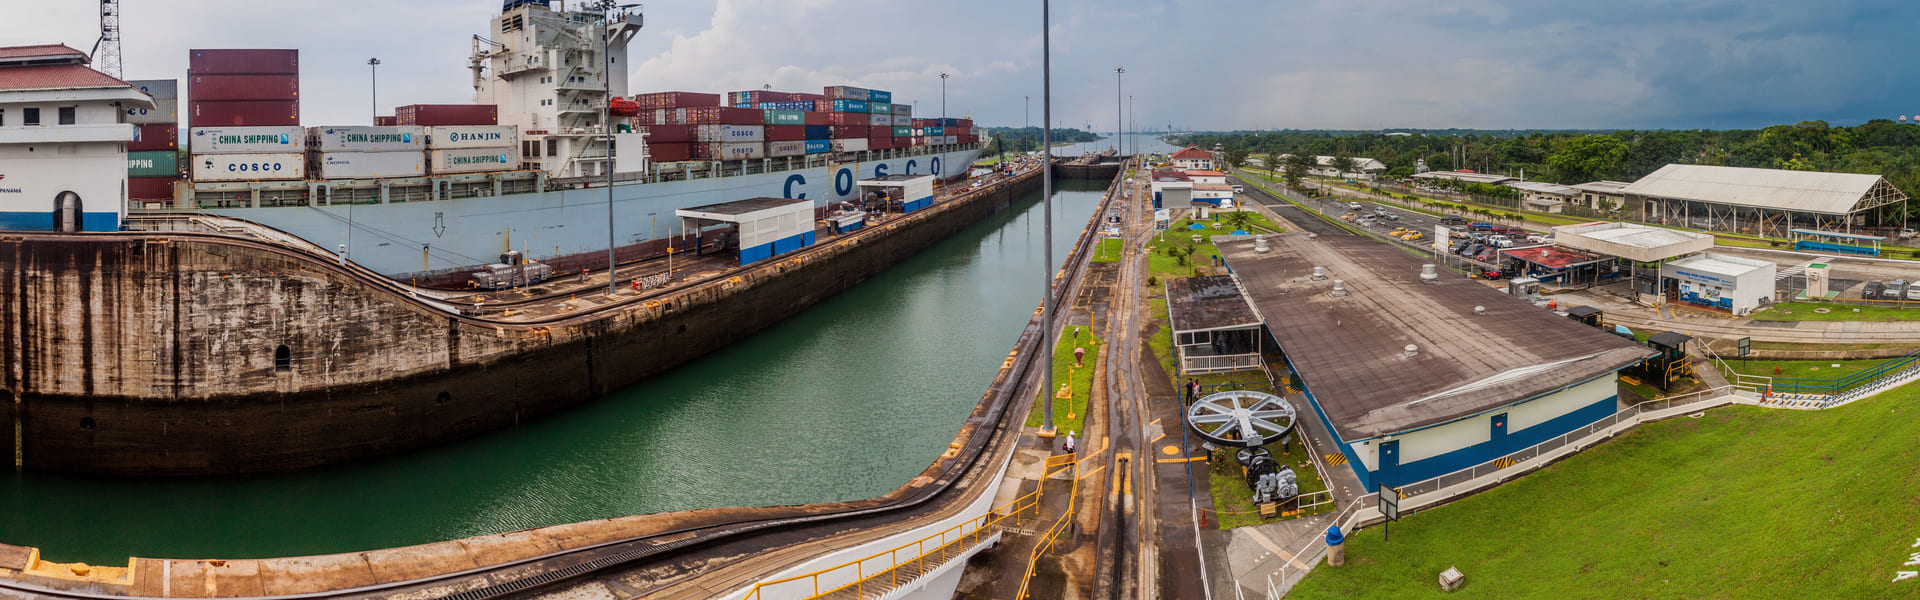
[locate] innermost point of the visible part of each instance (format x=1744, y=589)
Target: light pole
x=1029, y=122
x=373, y=67
x=606, y=7
x=1132, y=125
x=1119, y=116
x=1046, y=200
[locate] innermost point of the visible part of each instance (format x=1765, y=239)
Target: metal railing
x=1059, y=527
x=1197, y=365
x=1893, y=368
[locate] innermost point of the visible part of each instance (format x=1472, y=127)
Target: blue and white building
x=1415, y=374
x=764, y=227
x=63, y=142
x=905, y=193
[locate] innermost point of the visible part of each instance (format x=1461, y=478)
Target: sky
x=1192, y=64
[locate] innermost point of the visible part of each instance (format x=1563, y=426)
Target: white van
x=1499, y=241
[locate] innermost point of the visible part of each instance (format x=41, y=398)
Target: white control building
x=63, y=145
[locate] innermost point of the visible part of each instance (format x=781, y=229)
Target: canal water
x=1147, y=143
x=846, y=401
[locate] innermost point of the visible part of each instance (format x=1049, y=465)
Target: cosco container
x=472, y=136
x=879, y=108
x=243, y=113
x=243, y=62
x=248, y=167
x=475, y=160
x=165, y=110
x=243, y=87
x=247, y=140
x=785, y=117
x=850, y=145
x=729, y=150
x=793, y=148
x=158, y=88
x=154, y=137
x=819, y=146
x=162, y=163
x=879, y=96
x=361, y=138
x=880, y=120
x=902, y=131
x=849, y=106
x=786, y=133
x=730, y=133
x=369, y=165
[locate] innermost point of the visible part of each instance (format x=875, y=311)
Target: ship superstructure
x=552, y=72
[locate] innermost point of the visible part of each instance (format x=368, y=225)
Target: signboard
x=1389, y=502
x=1746, y=346
x=1441, y=237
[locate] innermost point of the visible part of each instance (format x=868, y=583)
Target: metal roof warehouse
x=1418, y=379
x=1759, y=201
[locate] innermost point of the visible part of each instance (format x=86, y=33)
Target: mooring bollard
x=1336, y=548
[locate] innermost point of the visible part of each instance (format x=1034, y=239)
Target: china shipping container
x=243, y=62
x=361, y=138
x=247, y=140
x=785, y=133
x=151, y=189
x=730, y=133
x=786, y=148
x=155, y=163
x=850, y=145
x=165, y=110
x=158, y=88
x=474, y=160
x=784, y=117
x=472, y=136
x=667, y=134
x=901, y=132
x=249, y=167
x=819, y=146
x=430, y=115
x=849, y=131
x=368, y=165
x=677, y=100
x=669, y=151
x=154, y=137
x=243, y=113
x=819, y=132
x=879, y=108
x=729, y=150
x=243, y=87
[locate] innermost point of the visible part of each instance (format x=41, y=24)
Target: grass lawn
x=1744, y=502
x=1805, y=369
x=1233, y=500
x=1071, y=416
x=1109, y=250
x=1161, y=342
x=1804, y=311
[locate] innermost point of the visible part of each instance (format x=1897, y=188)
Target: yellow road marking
x=1181, y=460
x=1170, y=450
x=1336, y=459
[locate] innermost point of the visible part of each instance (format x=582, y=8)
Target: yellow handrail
x=1059, y=527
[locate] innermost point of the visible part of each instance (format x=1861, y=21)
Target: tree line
x=1027, y=139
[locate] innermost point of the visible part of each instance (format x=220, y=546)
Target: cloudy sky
x=1200, y=64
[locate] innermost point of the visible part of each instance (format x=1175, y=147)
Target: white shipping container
x=369, y=165
x=850, y=145
x=729, y=133
x=165, y=110
x=951, y=139
x=248, y=167
x=475, y=160
x=473, y=136
x=786, y=148
x=247, y=140
x=881, y=120
x=158, y=88
x=366, y=138
x=739, y=150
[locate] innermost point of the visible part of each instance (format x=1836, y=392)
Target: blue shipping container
x=933, y=130
x=879, y=108
x=850, y=106
x=879, y=96
x=819, y=132
x=819, y=146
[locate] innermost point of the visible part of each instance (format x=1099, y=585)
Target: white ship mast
x=545, y=69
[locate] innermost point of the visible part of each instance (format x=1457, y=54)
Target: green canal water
x=848, y=400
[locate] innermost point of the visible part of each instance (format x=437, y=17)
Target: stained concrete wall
x=154, y=354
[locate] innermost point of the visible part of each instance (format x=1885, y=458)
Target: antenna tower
x=106, y=52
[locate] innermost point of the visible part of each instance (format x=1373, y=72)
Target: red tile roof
x=1550, y=257
x=55, y=77
x=1192, y=152
x=39, y=50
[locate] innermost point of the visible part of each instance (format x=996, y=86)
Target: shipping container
x=730, y=133
x=819, y=132
x=807, y=97
x=720, y=115
x=473, y=136
x=845, y=92
x=959, y=130
x=387, y=121
x=819, y=146
x=243, y=62
x=879, y=96
x=818, y=118
x=729, y=150
x=902, y=110
x=368, y=165
x=155, y=137
x=851, y=131
x=677, y=100
x=669, y=152
x=930, y=140
x=850, y=106
x=474, y=160
x=151, y=189
x=667, y=134
x=435, y=115
x=841, y=119
x=243, y=87
x=969, y=139
x=949, y=140
x=879, y=108
x=786, y=148
x=884, y=143
x=158, y=88
x=786, y=133
x=248, y=167
x=900, y=131
x=243, y=113
x=850, y=145
x=165, y=110
x=784, y=117
x=158, y=163
x=247, y=140
x=362, y=138
x=795, y=106
x=880, y=120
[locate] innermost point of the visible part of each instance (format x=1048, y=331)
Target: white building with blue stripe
x=63, y=145
x=761, y=228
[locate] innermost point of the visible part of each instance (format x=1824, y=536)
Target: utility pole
x=373, y=67
x=1119, y=116
x=606, y=8
x=1029, y=111
x=943, y=99
x=1046, y=200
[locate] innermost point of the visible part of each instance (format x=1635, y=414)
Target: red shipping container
x=880, y=143
x=786, y=133
x=849, y=119
x=243, y=62
x=386, y=121
x=669, y=152
x=959, y=130
x=847, y=132
x=243, y=113
x=243, y=87
x=150, y=188
x=155, y=137
x=817, y=118
x=677, y=100
x=431, y=115
x=667, y=134
x=718, y=115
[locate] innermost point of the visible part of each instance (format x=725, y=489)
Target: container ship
x=435, y=191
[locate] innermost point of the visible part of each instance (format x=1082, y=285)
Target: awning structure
x=766, y=227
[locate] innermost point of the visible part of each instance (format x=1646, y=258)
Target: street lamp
x=1046, y=199
x=1029, y=111
x=606, y=8
x=1119, y=116
x=373, y=67
x=943, y=99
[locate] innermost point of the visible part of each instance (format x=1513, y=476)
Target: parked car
x=1536, y=238
x=1872, y=290
x=1353, y=206
x=1413, y=236
x=1473, y=249
x=1456, y=247
x=1896, y=290
x=1488, y=254
x=1499, y=241
x=1480, y=226
x=1453, y=221
x=1478, y=236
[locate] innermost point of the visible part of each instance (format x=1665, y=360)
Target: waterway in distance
x=846, y=401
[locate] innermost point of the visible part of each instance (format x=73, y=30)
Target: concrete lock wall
x=155, y=354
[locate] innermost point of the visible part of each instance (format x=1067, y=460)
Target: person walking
x=1069, y=447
